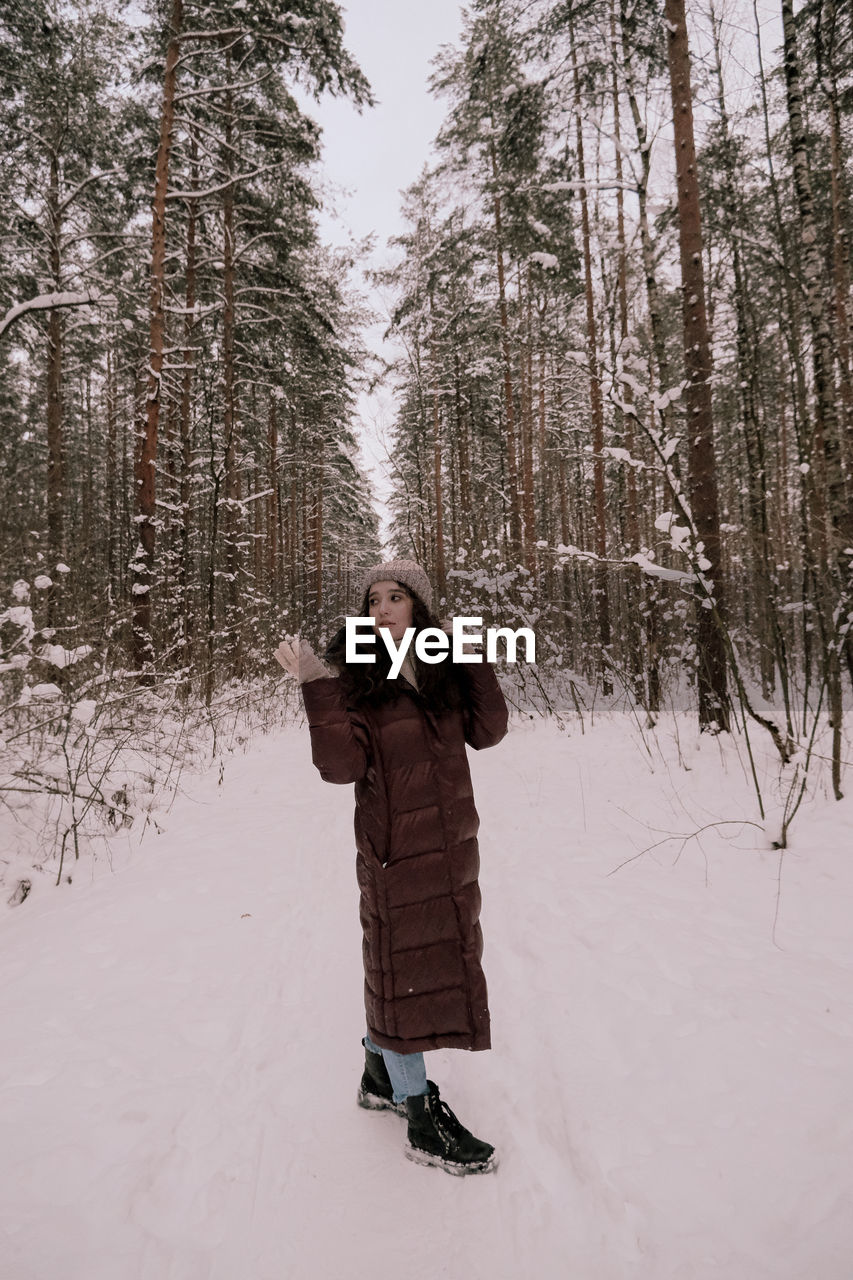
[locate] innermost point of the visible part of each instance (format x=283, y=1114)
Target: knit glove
x=298, y=659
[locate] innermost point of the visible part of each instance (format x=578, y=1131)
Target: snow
x=622, y=455
x=589, y=184
x=21, y=615
x=84, y=710
x=547, y=260
x=45, y=691
x=679, y=534
x=669, y=1087
x=663, y=400
x=660, y=571
x=58, y=656
x=629, y=380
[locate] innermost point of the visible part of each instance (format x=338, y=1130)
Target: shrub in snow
x=102, y=755
x=482, y=585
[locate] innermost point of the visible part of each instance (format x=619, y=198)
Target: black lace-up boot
x=436, y=1137
x=375, y=1092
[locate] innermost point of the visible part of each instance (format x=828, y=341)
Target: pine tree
x=57, y=141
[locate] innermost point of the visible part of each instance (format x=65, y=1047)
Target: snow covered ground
x=671, y=1084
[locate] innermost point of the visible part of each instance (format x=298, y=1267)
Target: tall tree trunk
x=625, y=416
x=515, y=539
x=55, y=442
x=318, y=527
x=810, y=534
x=838, y=531
x=440, y=566
x=258, y=557
x=627, y=28
x=825, y=40
x=146, y=456
x=702, y=478
x=210, y=642
x=464, y=444
x=273, y=556
x=528, y=500
x=294, y=558
x=233, y=520
x=112, y=478
x=185, y=621
x=596, y=405
x=769, y=637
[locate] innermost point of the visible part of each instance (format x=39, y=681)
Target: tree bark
x=146, y=457
x=702, y=477
x=515, y=538
x=838, y=531
x=644, y=147
x=185, y=428
x=528, y=497
x=596, y=405
x=626, y=420
x=825, y=40
x=318, y=528
x=440, y=566
x=769, y=638
x=233, y=519
x=55, y=443
x=112, y=478
x=273, y=514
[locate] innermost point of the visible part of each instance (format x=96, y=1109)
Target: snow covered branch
x=51, y=302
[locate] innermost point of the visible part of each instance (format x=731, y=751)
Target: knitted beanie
x=408, y=572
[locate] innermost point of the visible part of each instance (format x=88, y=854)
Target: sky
x=376, y=153
x=370, y=157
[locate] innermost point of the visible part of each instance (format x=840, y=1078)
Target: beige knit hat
x=408, y=572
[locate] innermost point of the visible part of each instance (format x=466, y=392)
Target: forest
x=623, y=370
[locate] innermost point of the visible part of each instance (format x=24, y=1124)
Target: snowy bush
x=87, y=751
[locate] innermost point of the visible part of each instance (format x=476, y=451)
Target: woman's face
x=391, y=606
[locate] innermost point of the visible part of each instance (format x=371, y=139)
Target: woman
x=402, y=742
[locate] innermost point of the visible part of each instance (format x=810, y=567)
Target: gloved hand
x=299, y=660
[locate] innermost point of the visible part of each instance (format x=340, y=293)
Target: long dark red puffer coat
x=418, y=859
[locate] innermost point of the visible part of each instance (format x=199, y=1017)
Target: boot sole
x=373, y=1102
x=427, y=1159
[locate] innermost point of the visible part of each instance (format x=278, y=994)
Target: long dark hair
x=368, y=682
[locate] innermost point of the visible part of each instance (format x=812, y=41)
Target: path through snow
x=670, y=1087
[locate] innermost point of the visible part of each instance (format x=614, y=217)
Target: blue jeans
x=406, y=1071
